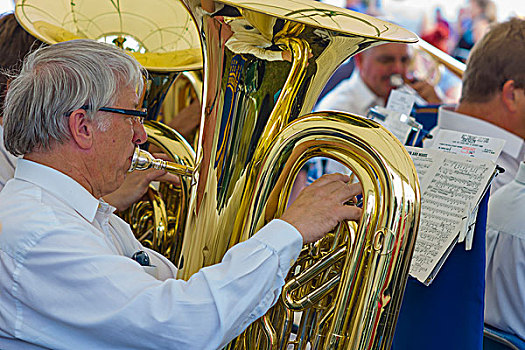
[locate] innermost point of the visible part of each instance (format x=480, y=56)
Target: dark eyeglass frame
x=139, y=115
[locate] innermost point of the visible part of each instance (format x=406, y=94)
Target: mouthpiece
x=396, y=80
x=143, y=160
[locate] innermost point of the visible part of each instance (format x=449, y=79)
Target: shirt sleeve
x=103, y=300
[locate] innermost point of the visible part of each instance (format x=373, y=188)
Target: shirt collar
x=520, y=176
x=365, y=98
x=60, y=185
x=450, y=120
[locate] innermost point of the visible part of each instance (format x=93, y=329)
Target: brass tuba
x=256, y=134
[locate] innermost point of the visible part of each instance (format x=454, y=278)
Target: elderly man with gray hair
x=67, y=277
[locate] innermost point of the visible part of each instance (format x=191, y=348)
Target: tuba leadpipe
x=143, y=160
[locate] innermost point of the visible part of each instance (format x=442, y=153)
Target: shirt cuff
x=284, y=239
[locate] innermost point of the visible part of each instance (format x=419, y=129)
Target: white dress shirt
x=513, y=151
x=67, y=280
x=505, y=274
x=351, y=95
x=7, y=161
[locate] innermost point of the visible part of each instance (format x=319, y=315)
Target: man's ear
x=81, y=128
x=508, y=95
x=357, y=60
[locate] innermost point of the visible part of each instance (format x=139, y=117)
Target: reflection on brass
x=265, y=65
x=186, y=89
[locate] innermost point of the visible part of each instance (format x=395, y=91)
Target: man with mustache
x=370, y=83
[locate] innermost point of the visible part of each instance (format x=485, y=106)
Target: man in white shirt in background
x=370, y=83
x=493, y=104
x=67, y=277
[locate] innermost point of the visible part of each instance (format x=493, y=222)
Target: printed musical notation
x=481, y=147
x=451, y=186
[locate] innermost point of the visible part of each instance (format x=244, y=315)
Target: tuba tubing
x=369, y=287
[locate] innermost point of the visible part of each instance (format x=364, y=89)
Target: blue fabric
x=427, y=116
x=490, y=344
x=448, y=314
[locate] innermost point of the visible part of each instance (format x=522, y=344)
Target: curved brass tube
x=373, y=274
x=455, y=66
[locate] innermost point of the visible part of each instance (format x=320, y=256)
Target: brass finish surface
x=159, y=34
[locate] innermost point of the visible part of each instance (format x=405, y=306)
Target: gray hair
x=55, y=81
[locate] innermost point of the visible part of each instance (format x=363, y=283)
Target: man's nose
x=399, y=67
x=139, y=133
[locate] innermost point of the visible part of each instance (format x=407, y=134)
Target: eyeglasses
x=137, y=115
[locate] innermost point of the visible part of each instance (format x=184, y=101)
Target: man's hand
x=426, y=91
x=320, y=206
x=136, y=185
x=187, y=120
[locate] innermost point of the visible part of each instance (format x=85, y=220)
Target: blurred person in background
x=474, y=23
x=370, y=83
x=356, y=5
x=439, y=33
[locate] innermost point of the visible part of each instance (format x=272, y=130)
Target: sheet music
x=400, y=101
x=422, y=160
x=481, y=147
x=451, y=186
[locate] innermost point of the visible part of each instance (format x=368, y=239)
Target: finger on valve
x=321, y=206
